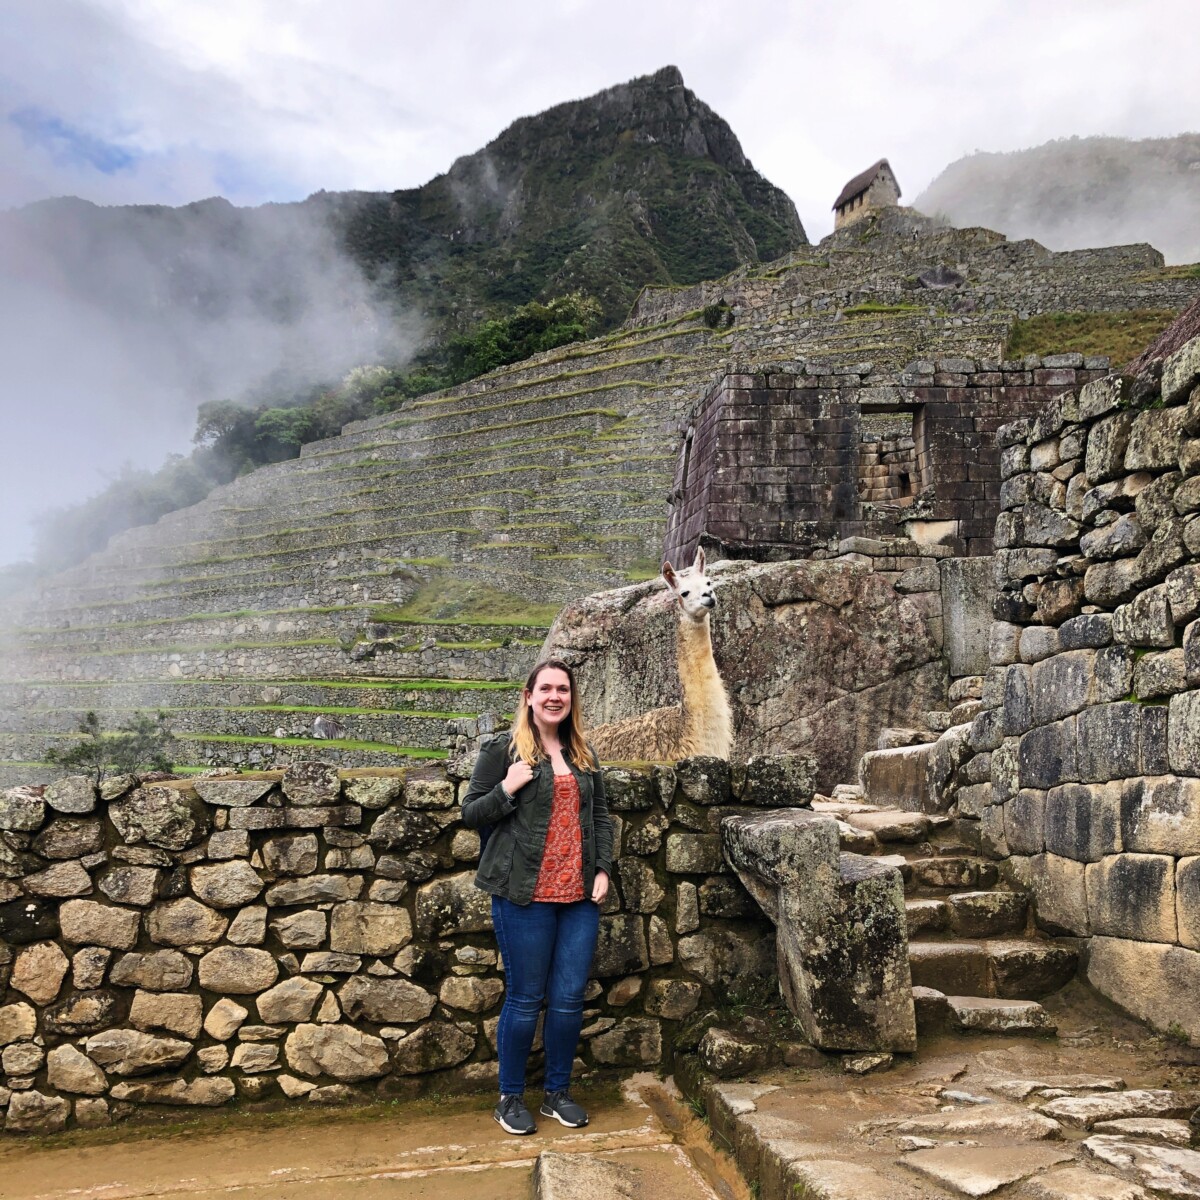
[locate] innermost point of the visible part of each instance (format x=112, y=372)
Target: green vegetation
x=144, y=743
x=451, y=600
x=1121, y=335
x=331, y=743
x=870, y=309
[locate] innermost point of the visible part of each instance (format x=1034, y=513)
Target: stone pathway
x=453, y=1151
x=1100, y=1114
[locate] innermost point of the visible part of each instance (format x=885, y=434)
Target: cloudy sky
x=125, y=101
x=170, y=101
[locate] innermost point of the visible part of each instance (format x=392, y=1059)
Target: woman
x=539, y=795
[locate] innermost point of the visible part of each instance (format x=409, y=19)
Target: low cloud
x=119, y=322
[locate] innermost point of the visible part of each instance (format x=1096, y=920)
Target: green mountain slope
x=641, y=183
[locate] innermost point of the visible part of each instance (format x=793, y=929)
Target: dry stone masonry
x=1081, y=768
x=318, y=935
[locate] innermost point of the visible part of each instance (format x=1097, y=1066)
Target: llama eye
x=683, y=593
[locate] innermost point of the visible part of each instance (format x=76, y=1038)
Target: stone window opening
x=888, y=457
x=688, y=439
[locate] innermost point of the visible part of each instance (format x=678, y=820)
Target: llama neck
x=705, y=705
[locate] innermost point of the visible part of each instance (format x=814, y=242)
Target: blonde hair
x=527, y=745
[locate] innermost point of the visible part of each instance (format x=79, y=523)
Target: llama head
x=692, y=587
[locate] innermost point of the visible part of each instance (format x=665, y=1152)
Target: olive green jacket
x=512, y=858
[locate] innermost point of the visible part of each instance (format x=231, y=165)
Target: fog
x=116, y=323
x=1075, y=193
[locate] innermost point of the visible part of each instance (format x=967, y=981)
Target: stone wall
x=310, y=935
x=818, y=657
x=1087, y=751
x=781, y=459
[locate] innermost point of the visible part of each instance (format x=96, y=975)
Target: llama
x=703, y=722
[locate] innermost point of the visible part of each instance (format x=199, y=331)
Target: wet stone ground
x=642, y=1141
x=1098, y=1113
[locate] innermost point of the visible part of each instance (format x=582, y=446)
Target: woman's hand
x=519, y=774
x=600, y=887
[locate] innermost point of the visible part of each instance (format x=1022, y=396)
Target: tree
x=144, y=743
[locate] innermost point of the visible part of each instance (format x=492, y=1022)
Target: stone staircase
x=978, y=961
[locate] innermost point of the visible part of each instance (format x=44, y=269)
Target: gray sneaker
x=514, y=1117
x=564, y=1110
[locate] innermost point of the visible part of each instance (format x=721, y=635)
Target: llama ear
x=668, y=573
x=698, y=565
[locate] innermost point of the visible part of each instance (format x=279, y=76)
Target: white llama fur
x=703, y=722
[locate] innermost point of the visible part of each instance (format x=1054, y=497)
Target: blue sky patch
x=68, y=145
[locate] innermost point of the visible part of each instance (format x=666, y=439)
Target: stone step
x=1014, y=969
x=947, y=871
x=898, y=739
x=987, y=913
x=926, y=916
x=986, y=1014
x=891, y=825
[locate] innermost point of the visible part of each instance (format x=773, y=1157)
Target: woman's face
x=550, y=699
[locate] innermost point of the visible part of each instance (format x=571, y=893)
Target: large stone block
x=1047, y=755
x=1161, y=815
x=1146, y=619
x=1110, y=742
x=1025, y=822
x=1157, y=983
x=1154, y=439
x=633, y=1042
x=896, y=778
x=1187, y=900
x=725, y=958
x=1059, y=686
x=129, y=1052
x=238, y=970
x=185, y=922
x=360, y=927
x=433, y=1047
x=966, y=589
x=385, y=1001
x=1083, y=821
x=840, y=924
x=1132, y=896
x=621, y=948
x=1183, y=733
x=1111, y=583
x=1107, y=442
x=1060, y=894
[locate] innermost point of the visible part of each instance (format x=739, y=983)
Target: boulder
x=841, y=931
x=186, y=922
x=226, y=885
x=238, y=970
x=157, y=971
x=129, y=1052
x=33, y=1112
x=84, y=1012
x=162, y=816
x=387, y=1001
x=338, y=1050
x=75, y=794
x=289, y=1002
x=206, y=1092
x=176, y=1012
x=70, y=1070
x=39, y=971
x=358, y=927
x=452, y=904
x=87, y=923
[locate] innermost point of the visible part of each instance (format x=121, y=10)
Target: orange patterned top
x=560, y=880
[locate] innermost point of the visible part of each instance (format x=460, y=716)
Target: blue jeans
x=547, y=951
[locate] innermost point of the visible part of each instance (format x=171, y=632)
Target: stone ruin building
x=873, y=189
x=959, y=619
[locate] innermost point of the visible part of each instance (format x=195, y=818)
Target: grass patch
x=1121, y=335
x=870, y=308
x=450, y=600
